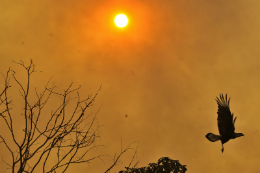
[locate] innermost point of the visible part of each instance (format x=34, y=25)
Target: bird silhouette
x=226, y=123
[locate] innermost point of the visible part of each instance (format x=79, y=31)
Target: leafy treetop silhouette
x=164, y=165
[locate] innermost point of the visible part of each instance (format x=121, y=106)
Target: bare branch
x=121, y=153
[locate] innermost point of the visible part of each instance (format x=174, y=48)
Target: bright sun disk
x=121, y=20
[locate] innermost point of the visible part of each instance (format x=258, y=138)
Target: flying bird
x=226, y=123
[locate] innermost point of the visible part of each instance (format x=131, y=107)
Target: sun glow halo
x=121, y=20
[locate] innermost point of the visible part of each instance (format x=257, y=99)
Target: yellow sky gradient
x=164, y=70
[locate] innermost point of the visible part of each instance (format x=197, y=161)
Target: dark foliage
x=164, y=165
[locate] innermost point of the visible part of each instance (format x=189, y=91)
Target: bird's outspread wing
x=225, y=118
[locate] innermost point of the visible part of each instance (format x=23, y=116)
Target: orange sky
x=163, y=70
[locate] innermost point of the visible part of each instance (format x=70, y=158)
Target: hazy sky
x=163, y=70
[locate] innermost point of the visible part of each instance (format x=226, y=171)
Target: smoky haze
x=163, y=71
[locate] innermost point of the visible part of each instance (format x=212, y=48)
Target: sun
x=121, y=20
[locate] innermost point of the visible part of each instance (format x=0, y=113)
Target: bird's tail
x=212, y=137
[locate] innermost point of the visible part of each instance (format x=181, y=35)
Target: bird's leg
x=222, y=148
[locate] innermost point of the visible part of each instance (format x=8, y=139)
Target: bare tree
x=60, y=135
x=67, y=137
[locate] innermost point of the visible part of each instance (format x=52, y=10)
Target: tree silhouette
x=52, y=141
x=164, y=165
